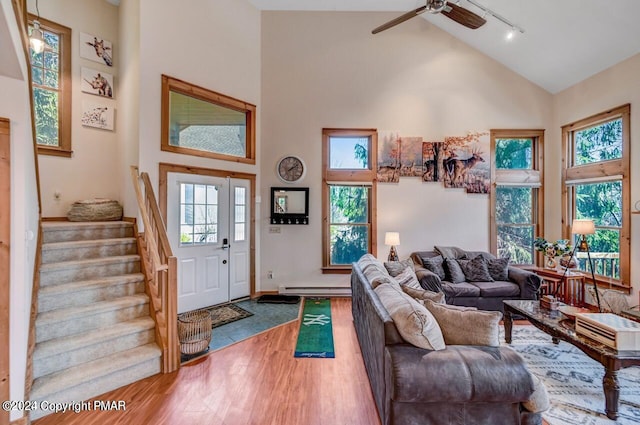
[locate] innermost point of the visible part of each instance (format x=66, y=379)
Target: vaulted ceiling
x=564, y=41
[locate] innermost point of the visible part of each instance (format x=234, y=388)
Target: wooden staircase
x=94, y=332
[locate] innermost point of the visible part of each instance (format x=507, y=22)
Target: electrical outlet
x=270, y=274
x=57, y=195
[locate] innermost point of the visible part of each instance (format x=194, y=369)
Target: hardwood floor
x=256, y=381
x=253, y=382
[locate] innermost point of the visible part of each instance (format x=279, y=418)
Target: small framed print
x=97, y=82
x=96, y=49
x=97, y=115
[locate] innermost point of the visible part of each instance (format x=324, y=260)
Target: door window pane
x=349, y=153
x=240, y=213
x=198, y=214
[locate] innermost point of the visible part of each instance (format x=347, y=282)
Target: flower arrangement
x=553, y=249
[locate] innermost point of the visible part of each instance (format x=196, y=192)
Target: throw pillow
x=421, y=294
x=499, y=268
x=429, y=280
x=414, y=322
x=450, y=251
x=466, y=327
x=475, y=270
x=539, y=400
x=408, y=278
x=396, y=267
x=454, y=273
x=436, y=265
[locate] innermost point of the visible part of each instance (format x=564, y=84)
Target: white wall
x=325, y=69
x=214, y=44
x=613, y=87
x=14, y=104
x=89, y=172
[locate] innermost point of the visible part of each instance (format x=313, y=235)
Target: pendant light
x=36, y=39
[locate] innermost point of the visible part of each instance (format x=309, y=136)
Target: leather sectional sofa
x=485, y=294
x=457, y=385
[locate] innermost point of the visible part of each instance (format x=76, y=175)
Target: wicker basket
x=95, y=210
x=194, y=331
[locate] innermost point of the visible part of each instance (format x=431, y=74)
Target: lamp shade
x=36, y=39
x=583, y=227
x=392, y=238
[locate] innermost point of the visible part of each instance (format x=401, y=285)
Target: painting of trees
x=388, y=157
x=465, y=162
x=410, y=156
x=431, y=161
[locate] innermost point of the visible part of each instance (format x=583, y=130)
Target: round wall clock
x=290, y=169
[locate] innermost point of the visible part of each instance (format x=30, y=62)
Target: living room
x=304, y=71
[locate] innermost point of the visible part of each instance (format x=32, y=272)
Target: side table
x=570, y=288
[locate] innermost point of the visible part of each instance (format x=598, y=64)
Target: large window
x=51, y=84
x=596, y=186
x=516, y=201
x=349, y=192
x=197, y=121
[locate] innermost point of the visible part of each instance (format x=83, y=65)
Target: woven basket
x=95, y=210
x=194, y=331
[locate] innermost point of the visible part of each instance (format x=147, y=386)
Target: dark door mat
x=279, y=299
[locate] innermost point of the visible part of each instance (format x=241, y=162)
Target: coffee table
x=559, y=327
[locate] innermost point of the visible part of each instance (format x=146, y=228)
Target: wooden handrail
x=160, y=268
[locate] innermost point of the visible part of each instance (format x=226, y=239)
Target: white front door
x=206, y=216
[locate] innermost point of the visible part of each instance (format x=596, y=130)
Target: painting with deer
x=388, y=157
x=465, y=162
x=431, y=163
x=410, y=156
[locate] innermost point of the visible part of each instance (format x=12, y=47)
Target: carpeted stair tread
x=86, y=243
x=84, y=285
x=74, y=342
x=91, y=262
x=64, y=225
x=46, y=386
x=58, y=231
x=66, y=314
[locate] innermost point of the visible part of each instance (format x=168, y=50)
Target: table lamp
x=392, y=239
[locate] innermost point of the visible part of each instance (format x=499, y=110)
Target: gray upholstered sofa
x=457, y=385
x=432, y=270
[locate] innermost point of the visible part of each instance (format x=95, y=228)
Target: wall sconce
x=392, y=239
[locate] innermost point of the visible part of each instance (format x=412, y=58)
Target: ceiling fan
x=452, y=11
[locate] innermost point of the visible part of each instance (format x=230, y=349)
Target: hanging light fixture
x=36, y=39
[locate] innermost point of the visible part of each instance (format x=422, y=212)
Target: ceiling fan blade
x=400, y=19
x=463, y=16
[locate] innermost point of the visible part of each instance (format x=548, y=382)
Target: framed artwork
x=96, y=49
x=97, y=82
x=97, y=115
x=466, y=162
x=411, y=157
x=431, y=161
x=388, y=157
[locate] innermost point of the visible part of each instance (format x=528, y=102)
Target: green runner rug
x=315, y=338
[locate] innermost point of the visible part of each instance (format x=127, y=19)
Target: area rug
x=574, y=381
x=223, y=314
x=315, y=338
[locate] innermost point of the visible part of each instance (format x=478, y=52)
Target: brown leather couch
x=460, y=385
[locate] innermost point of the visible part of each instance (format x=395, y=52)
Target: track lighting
x=486, y=11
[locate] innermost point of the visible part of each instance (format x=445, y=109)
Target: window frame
x=347, y=177
x=586, y=173
x=170, y=84
x=537, y=158
x=64, y=147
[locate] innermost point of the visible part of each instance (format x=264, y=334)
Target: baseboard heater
x=320, y=291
